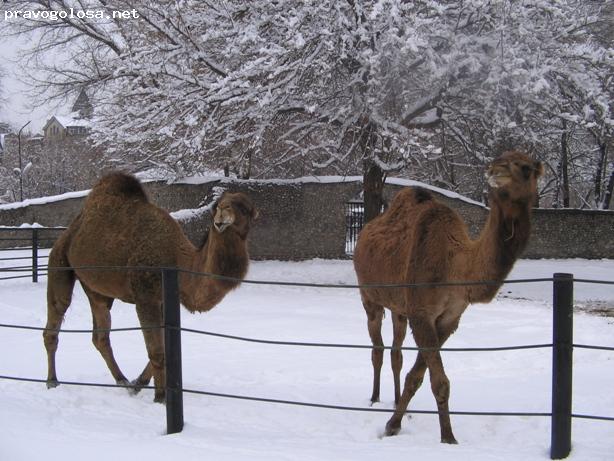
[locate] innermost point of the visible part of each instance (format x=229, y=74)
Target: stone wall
x=305, y=218
x=572, y=234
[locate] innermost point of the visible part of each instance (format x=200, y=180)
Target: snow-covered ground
x=108, y=424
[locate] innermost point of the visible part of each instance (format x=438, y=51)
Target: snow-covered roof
x=71, y=120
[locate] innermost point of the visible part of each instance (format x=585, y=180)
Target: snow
x=204, y=179
x=189, y=214
x=72, y=119
x=327, y=180
x=23, y=226
x=106, y=423
x=45, y=200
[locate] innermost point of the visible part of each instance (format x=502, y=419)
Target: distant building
x=4, y=130
x=74, y=124
x=59, y=126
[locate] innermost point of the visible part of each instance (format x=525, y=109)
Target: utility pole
x=20, y=164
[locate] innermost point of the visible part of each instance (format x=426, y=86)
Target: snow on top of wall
x=24, y=226
x=327, y=180
x=190, y=213
x=439, y=190
x=44, y=200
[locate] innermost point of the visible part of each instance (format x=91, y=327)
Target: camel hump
x=421, y=195
x=121, y=184
x=410, y=196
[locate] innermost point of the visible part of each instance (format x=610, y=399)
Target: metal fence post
x=34, y=255
x=172, y=352
x=562, y=366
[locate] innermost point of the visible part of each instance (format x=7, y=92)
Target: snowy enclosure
x=102, y=423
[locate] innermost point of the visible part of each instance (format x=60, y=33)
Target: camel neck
x=498, y=247
x=222, y=254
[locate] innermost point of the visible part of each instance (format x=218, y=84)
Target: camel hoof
x=134, y=387
x=451, y=440
x=392, y=428
x=160, y=398
x=129, y=386
x=52, y=383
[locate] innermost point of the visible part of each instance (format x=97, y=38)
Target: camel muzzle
x=221, y=226
x=499, y=179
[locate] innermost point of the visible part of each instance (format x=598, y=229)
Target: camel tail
x=61, y=277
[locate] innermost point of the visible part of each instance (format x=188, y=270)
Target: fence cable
x=588, y=346
x=72, y=330
x=284, y=343
x=311, y=284
x=365, y=346
x=285, y=402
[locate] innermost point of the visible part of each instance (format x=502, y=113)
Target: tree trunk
x=599, y=174
x=373, y=189
x=607, y=197
x=564, y=165
x=245, y=170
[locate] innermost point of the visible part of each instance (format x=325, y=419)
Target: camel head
x=513, y=179
x=235, y=211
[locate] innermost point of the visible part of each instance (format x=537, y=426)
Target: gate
x=354, y=219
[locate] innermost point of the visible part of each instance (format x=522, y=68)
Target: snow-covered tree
x=291, y=86
x=1, y=86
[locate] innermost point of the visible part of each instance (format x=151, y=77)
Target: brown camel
x=420, y=240
x=119, y=227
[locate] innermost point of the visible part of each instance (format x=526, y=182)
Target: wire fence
x=28, y=239
x=562, y=348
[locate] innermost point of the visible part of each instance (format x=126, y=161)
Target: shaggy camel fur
x=119, y=227
x=420, y=240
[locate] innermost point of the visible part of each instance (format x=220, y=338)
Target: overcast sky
x=20, y=106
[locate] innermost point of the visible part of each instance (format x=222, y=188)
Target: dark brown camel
x=420, y=240
x=119, y=227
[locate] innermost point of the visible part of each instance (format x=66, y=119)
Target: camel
x=119, y=227
x=420, y=240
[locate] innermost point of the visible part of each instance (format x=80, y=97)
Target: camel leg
x=413, y=381
x=375, y=313
x=101, y=317
x=150, y=317
x=399, y=326
x=59, y=296
x=426, y=336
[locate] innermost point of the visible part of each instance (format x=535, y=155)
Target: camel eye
x=526, y=171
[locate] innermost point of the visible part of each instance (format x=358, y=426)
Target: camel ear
x=538, y=167
x=251, y=211
x=213, y=208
